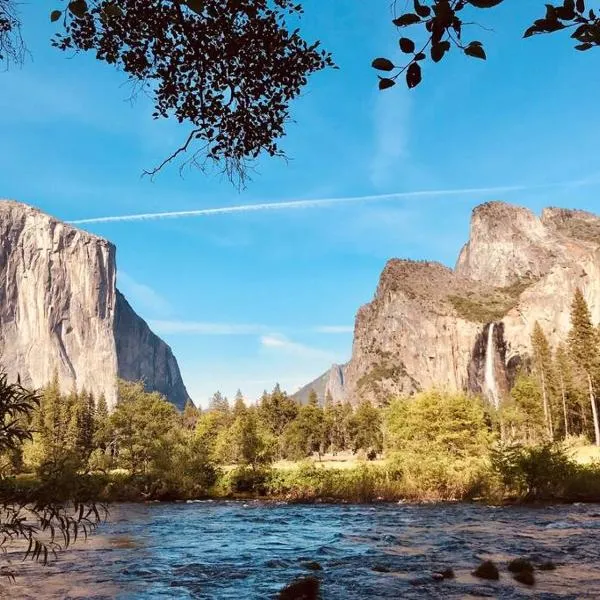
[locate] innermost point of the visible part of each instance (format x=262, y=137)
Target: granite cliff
x=61, y=311
x=469, y=328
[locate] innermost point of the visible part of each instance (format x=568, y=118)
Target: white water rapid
x=489, y=382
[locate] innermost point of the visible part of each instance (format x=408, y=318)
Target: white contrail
x=321, y=202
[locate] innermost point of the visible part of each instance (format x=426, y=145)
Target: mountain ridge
x=428, y=325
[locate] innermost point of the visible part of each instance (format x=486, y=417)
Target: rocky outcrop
x=430, y=326
x=329, y=385
x=61, y=312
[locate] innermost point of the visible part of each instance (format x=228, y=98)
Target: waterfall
x=490, y=387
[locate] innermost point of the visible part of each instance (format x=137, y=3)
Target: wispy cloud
x=281, y=343
x=167, y=327
x=391, y=129
x=142, y=296
x=317, y=203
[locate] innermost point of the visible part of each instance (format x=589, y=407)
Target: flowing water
x=236, y=550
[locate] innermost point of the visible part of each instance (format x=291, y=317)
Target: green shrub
x=244, y=480
x=440, y=443
x=534, y=472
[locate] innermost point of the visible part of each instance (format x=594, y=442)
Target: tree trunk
x=564, y=404
x=547, y=415
x=594, y=411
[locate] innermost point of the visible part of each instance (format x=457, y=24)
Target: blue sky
x=250, y=298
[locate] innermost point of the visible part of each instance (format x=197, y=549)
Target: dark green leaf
x=550, y=12
x=565, y=14
x=438, y=50
x=531, y=31
x=580, y=4
x=484, y=3
x=581, y=33
x=413, y=75
x=55, y=15
x=407, y=19
x=585, y=46
x=421, y=10
x=78, y=8
x=420, y=56
x=407, y=46
x=383, y=64
x=549, y=25
x=196, y=5
x=385, y=83
x=113, y=10
x=475, y=51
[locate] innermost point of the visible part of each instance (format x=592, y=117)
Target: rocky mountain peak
x=506, y=243
x=60, y=311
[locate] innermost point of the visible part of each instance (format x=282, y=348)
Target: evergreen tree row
x=558, y=397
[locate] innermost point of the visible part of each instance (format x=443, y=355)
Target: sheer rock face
x=427, y=325
x=61, y=312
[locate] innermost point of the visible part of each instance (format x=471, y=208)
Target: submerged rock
x=380, y=569
x=525, y=577
x=447, y=573
x=487, y=570
x=276, y=563
x=519, y=565
x=547, y=566
x=306, y=588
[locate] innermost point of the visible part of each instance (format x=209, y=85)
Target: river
x=251, y=550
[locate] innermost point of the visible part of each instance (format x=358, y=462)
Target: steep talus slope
x=61, y=312
x=428, y=325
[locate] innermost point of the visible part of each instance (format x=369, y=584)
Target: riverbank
x=540, y=475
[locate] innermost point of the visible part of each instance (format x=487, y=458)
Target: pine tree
x=328, y=398
x=366, y=429
x=85, y=423
x=523, y=414
x=219, y=403
x=53, y=426
x=239, y=405
x=306, y=433
x=568, y=394
x=101, y=424
x=276, y=411
x=583, y=345
x=544, y=369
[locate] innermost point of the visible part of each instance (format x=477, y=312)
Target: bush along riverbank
x=510, y=475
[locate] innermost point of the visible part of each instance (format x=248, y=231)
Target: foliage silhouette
x=226, y=69
x=443, y=24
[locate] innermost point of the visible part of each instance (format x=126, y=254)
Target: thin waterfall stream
x=489, y=383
